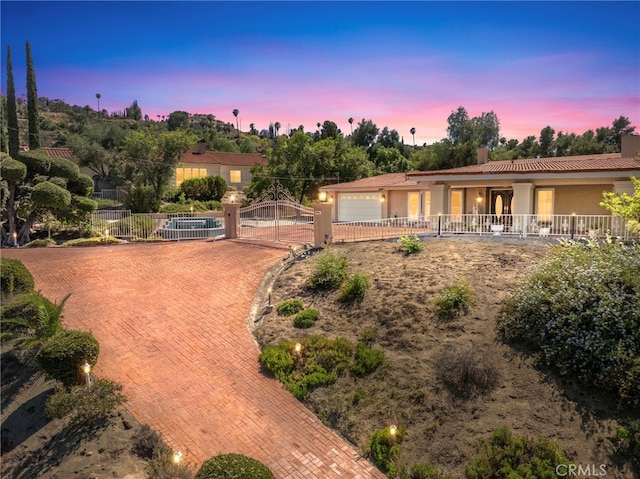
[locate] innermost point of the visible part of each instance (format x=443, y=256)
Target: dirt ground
x=33, y=446
x=442, y=429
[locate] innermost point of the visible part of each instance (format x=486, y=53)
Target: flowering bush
x=580, y=308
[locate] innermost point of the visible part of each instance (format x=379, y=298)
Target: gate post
x=322, y=225
x=231, y=220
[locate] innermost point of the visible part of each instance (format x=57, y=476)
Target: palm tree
x=98, y=96
x=235, y=113
x=277, y=127
x=33, y=320
x=351, y=123
x=413, y=132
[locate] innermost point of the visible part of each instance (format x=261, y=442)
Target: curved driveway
x=171, y=321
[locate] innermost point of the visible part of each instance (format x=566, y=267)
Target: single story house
x=233, y=168
x=539, y=186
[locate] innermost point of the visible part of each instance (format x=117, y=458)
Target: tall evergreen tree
x=32, y=103
x=12, y=112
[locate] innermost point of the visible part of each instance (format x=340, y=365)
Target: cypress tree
x=32, y=103
x=12, y=112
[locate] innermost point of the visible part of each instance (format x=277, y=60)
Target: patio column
x=439, y=199
x=231, y=220
x=322, y=224
x=523, y=198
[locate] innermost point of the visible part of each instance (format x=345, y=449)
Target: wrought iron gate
x=276, y=216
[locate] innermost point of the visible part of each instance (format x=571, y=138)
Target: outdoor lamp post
x=269, y=291
x=15, y=238
x=86, y=369
x=232, y=198
x=322, y=196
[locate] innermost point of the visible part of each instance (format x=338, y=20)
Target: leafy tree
x=545, y=147
x=329, y=130
x=388, y=138
x=153, y=156
x=625, y=206
x=12, y=113
x=620, y=127
x=365, y=134
x=390, y=160
x=459, y=129
x=177, y=119
x=486, y=129
x=48, y=186
x=32, y=103
x=134, y=112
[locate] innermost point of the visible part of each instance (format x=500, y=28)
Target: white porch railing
x=567, y=226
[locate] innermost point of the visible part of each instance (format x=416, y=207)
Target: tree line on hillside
x=127, y=147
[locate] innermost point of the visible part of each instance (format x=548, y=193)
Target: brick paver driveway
x=171, y=321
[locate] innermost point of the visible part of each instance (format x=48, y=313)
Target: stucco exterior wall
x=397, y=204
x=581, y=200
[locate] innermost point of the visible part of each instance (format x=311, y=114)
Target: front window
x=187, y=173
x=414, y=205
x=456, y=205
x=235, y=176
x=544, y=204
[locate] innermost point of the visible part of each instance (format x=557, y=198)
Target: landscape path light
x=86, y=369
x=177, y=456
x=298, y=348
x=15, y=238
x=106, y=236
x=269, y=291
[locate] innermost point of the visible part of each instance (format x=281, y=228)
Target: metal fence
x=157, y=226
x=115, y=195
x=567, y=226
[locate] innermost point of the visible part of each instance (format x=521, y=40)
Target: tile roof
x=562, y=164
x=223, y=158
x=389, y=180
x=60, y=153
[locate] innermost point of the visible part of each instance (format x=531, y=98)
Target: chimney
x=483, y=155
x=630, y=146
x=202, y=147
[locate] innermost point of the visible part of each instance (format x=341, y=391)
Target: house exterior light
x=322, y=196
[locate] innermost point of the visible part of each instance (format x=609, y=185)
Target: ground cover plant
x=454, y=300
x=580, y=311
x=330, y=270
x=233, y=466
x=289, y=307
x=410, y=244
x=442, y=422
x=306, y=318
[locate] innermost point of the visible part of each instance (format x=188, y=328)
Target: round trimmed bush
x=16, y=278
x=62, y=356
x=290, y=307
x=233, y=466
x=306, y=318
x=12, y=170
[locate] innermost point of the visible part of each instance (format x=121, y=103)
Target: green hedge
x=16, y=278
x=233, y=466
x=306, y=318
x=138, y=226
x=62, y=356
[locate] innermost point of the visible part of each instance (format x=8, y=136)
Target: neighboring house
x=233, y=168
x=540, y=186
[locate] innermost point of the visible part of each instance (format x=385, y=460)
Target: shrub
x=329, y=271
x=384, y=449
x=579, y=308
x=141, y=199
x=290, y=307
x=162, y=465
x=355, y=288
x=319, y=363
x=306, y=318
x=98, y=241
x=627, y=440
x=86, y=404
x=39, y=243
x=146, y=442
x=409, y=244
x=233, y=466
x=64, y=353
x=505, y=455
x=16, y=278
x=138, y=226
x=453, y=301
x=426, y=471
x=366, y=360
x=467, y=371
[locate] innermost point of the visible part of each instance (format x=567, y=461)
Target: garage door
x=359, y=206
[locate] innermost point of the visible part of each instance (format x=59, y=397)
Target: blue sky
x=571, y=65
